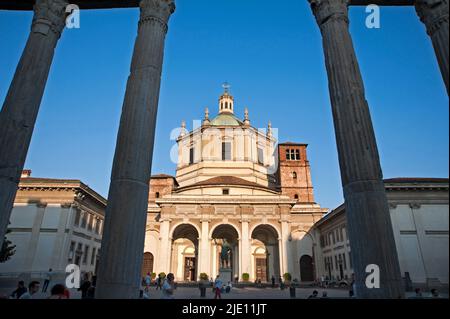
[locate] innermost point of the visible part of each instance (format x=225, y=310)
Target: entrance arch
x=266, y=236
x=231, y=229
x=306, y=268
x=184, y=252
x=260, y=261
x=231, y=234
x=147, y=264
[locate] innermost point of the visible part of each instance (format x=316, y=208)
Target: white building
x=54, y=222
x=232, y=182
x=419, y=213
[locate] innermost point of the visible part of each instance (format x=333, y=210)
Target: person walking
x=20, y=290
x=148, y=281
x=33, y=288
x=84, y=287
x=228, y=287
x=273, y=281
x=218, y=284
x=47, y=279
x=158, y=282
x=168, y=287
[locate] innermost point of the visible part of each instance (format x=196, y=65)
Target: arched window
x=296, y=196
x=226, y=105
x=157, y=194
x=294, y=175
x=226, y=151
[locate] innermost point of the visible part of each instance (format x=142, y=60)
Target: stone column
x=284, y=222
x=215, y=257
x=21, y=106
x=245, y=255
x=126, y=213
x=369, y=223
x=165, y=245
x=434, y=14
x=204, y=255
x=280, y=257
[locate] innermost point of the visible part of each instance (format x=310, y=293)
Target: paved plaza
x=236, y=293
x=250, y=293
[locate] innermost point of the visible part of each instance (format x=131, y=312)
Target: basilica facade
x=233, y=183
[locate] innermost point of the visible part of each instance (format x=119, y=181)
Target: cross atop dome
x=226, y=100
x=226, y=87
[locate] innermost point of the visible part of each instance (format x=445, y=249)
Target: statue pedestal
x=225, y=275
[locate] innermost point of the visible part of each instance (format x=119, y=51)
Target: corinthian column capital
x=49, y=15
x=325, y=10
x=157, y=10
x=432, y=13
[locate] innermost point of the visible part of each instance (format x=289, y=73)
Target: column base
x=226, y=275
x=372, y=240
x=116, y=291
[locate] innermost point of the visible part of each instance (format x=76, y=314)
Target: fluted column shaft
x=125, y=218
x=434, y=14
x=21, y=106
x=369, y=224
x=284, y=246
x=245, y=253
x=204, y=262
x=165, y=245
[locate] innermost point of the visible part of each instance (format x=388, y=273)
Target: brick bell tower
x=294, y=172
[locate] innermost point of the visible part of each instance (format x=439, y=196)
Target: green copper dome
x=225, y=119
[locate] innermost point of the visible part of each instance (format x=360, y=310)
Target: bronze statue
x=225, y=254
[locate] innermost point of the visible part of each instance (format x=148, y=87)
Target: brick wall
x=294, y=175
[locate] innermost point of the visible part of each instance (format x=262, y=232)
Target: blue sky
x=271, y=54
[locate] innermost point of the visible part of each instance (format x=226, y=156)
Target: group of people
x=418, y=294
x=167, y=286
x=433, y=292
x=58, y=291
x=22, y=292
x=281, y=284
x=147, y=282
x=219, y=287
x=164, y=283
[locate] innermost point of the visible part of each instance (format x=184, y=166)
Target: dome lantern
x=226, y=100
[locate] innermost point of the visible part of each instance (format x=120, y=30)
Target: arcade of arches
x=261, y=259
